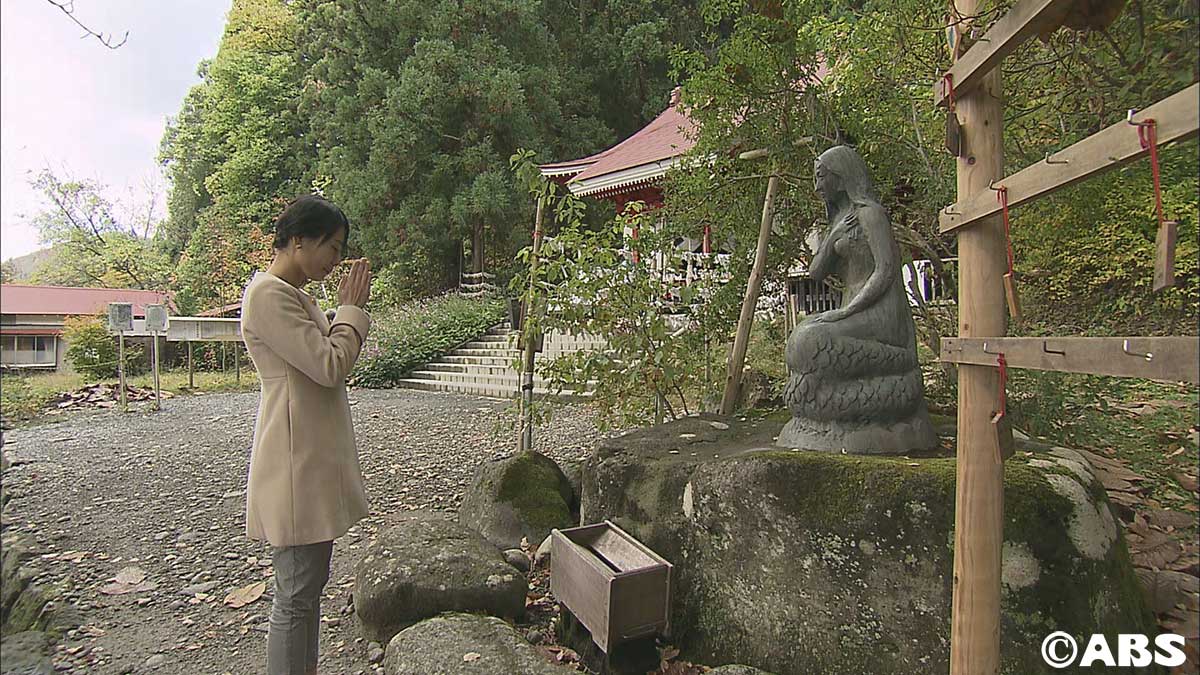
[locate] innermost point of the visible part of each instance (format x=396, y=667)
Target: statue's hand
x=829, y=317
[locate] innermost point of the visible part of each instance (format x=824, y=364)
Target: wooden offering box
x=617, y=587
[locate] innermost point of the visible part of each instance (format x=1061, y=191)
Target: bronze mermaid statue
x=854, y=384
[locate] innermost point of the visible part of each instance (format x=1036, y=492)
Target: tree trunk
x=477, y=249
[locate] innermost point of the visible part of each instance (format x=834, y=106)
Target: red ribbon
x=1002, y=196
x=1148, y=136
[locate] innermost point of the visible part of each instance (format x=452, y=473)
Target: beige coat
x=305, y=483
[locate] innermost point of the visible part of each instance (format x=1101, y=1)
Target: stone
x=426, y=564
x=526, y=495
x=26, y=653
x=854, y=385
x=543, y=551
x=737, y=669
x=204, y=587
x=806, y=562
x=453, y=644
x=14, y=576
x=375, y=654
x=517, y=558
x=155, y=662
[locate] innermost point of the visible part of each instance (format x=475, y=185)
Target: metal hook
x=985, y=350
x=1130, y=122
x=1149, y=356
x=992, y=185
x=1055, y=161
x=950, y=212
x=1052, y=351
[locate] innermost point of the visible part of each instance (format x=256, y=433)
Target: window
x=9, y=343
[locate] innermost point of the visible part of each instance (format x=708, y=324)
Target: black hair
x=309, y=216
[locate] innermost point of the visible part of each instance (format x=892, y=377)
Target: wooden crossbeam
x=1023, y=21
x=1158, y=358
x=1177, y=117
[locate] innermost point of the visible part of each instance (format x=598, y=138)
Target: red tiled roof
x=221, y=311
x=670, y=134
x=22, y=299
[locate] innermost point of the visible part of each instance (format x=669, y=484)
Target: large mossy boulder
x=806, y=562
x=525, y=495
x=454, y=644
x=427, y=564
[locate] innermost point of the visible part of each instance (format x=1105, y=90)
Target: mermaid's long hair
x=849, y=166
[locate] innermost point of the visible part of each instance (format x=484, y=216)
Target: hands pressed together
x=355, y=287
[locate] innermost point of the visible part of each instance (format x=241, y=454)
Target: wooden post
x=526, y=440
x=224, y=365
x=121, y=369
x=733, y=379
x=979, y=490
x=154, y=350
x=237, y=361
x=191, y=370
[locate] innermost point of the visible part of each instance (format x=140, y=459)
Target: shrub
x=92, y=352
x=415, y=333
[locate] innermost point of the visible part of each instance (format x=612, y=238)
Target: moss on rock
x=526, y=495
x=813, y=562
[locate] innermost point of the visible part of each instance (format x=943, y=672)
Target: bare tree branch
x=68, y=8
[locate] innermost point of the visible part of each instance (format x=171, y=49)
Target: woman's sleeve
x=278, y=318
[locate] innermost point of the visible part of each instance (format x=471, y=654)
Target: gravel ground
x=164, y=491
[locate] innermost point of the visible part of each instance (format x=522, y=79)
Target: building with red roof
x=631, y=170
x=31, y=319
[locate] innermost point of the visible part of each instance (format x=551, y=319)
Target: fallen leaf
x=240, y=597
x=471, y=657
x=1165, y=589
x=1157, y=551
x=1189, y=482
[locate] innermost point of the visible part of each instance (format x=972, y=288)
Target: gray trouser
x=300, y=576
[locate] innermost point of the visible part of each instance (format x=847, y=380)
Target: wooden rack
x=972, y=88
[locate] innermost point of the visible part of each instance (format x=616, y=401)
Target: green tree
x=235, y=155
x=96, y=242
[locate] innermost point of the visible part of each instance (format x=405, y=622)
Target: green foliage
x=93, y=243
x=235, y=156
x=417, y=332
x=18, y=399
x=92, y=352
x=584, y=283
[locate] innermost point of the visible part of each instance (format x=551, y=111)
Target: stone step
x=476, y=368
x=478, y=351
x=491, y=391
x=511, y=379
x=453, y=359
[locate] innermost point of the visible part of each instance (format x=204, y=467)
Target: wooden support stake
x=979, y=488
x=1177, y=118
x=737, y=359
x=121, y=369
x=157, y=392
x=525, y=442
x=1172, y=359
x=1164, y=257
x=191, y=369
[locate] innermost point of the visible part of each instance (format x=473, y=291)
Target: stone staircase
x=484, y=366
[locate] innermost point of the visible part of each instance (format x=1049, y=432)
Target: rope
x=1003, y=384
x=1148, y=137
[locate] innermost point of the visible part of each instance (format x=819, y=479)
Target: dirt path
x=164, y=491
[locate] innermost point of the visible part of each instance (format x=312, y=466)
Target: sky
x=88, y=112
